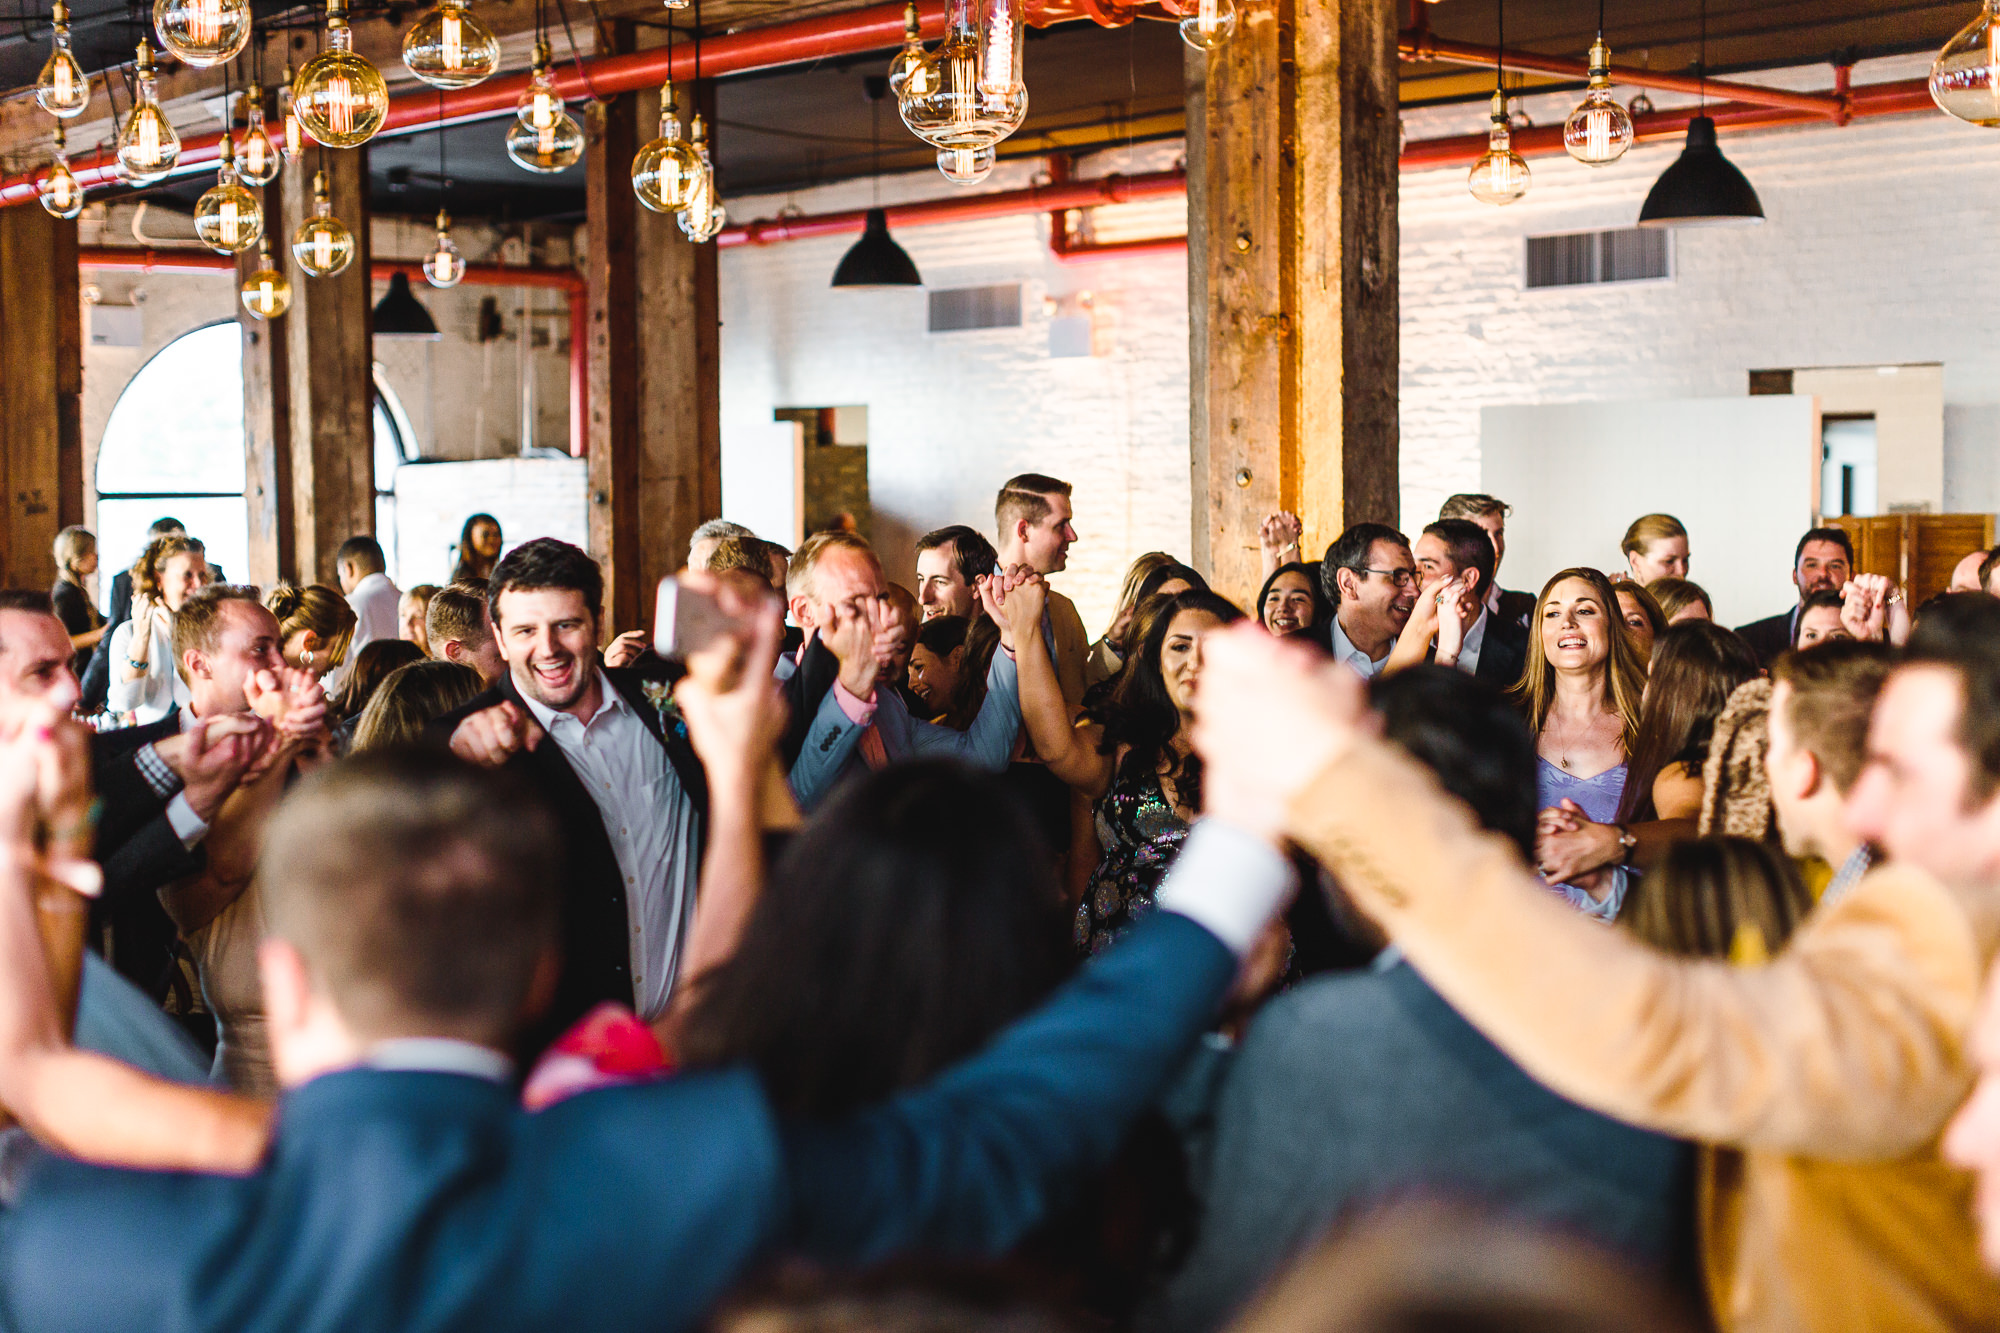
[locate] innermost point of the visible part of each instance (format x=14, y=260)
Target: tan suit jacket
x=1823, y=1078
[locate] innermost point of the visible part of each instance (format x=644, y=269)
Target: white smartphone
x=686, y=620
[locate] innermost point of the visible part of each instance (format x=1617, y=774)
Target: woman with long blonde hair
x=1581, y=692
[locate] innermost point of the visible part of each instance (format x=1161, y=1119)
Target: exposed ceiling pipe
x=1421, y=45
x=567, y=281
x=1064, y=245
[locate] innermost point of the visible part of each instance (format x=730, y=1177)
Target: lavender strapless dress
x=1598, y=797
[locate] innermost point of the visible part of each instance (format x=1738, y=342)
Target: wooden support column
x=41, y=392
x=267, y=423
x=331, y=388
x=1292, y=291
x=655, y=426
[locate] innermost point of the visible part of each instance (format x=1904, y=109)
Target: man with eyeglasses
x=1371, y=578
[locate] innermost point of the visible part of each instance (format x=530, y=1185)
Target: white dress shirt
x=1475, y=639
x=1345, y=651
x=652, y=827
x=374, y=600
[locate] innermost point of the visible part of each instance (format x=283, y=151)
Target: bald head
x=1965, y=574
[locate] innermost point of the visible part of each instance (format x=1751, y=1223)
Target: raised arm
x=1017, y=604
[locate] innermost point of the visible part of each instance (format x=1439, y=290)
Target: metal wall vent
x=961, y=308
x=1583, y=259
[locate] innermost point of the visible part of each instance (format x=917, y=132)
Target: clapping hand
x=45, y=796
x=214, y=755
x=627, y=647
x=294, y=702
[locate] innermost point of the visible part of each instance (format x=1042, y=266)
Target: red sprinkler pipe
x=1065, y=247
x=476, y=275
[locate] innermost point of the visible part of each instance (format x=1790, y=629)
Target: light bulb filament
x=1208, y=18
x=149, y=138
x=542, y=114
x=998, y=74
x=453, y=40
x=323, y=249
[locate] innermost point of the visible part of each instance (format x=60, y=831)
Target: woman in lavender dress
x=1581, y=690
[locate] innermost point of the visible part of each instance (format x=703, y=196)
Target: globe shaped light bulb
x=966, y=166
x=202, y=32
x=449, y=48
x=267, y=293
x=1501, y=176
x=62, y=89
x=1208, y=24
x=322, y=245
x=664, y=171
x=546, y=149
x=703, y=223
x=912, y=62
x=1965, y=77
x=228, y=218
x=1599, y=131
x=976, y=97
x=148, y=146
x=60, y=191
x=444, y=266
x=339, y=98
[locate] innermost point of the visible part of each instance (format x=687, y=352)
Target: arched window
x=174, y=447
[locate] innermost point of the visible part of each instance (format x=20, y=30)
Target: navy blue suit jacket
x=417, y=1202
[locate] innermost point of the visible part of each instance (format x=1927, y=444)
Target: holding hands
x=1873, y=608
x=1278, y=537
x=1015, y=600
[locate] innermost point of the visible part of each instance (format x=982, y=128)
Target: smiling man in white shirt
x=1371, y=579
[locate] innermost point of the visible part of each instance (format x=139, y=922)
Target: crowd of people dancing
x=1396, y=952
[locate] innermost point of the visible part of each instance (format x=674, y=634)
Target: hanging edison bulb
x=61, y=193
x=339, y=98
x=444, y=266
x=258, y=163
x=911, y=72
x=1599, y=131
x=544, y=136
x=1965, y=77
x=966, y=166
x=292, y=140
x=1208, y=23
x=664, y=171
x=323, y=245
x=62, y=89
x=267, y=293
x=976, y=94
x=1501, y=176
x=449, y=48
x=202, y=32
x=702, y=216
x=147, y=146
x=228, y=218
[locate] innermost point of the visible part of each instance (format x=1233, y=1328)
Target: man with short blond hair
x=459, y=629
x=1033, y=515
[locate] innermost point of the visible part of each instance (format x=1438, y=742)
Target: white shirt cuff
x=189, y=826
x=1227, y=881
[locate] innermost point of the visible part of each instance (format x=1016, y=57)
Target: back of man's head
x=1830, y=695
x=805, y=560
x=198, y=624
x=1468, y=734
x=971, y=554
x=1473, y=506
x=1351, y=550
x=1026, y=497
x=1961, y=632
x=546, y=563
x=161, y=526
x=457, y=614
x=715, y=530
x=749, y=554
x=1469, y=545
x=418, y=890
x=363, y=553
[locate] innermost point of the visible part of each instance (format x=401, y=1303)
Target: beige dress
x=225, y=953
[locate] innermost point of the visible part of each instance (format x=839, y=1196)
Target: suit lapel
x=667, y=728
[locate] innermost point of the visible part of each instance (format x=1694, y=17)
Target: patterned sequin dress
x=1140, y=834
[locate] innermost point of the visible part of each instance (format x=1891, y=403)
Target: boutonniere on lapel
x=660, y=694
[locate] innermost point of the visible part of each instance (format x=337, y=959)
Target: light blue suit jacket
x=833, y=741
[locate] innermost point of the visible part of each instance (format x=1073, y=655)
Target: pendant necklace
x=1562, y=756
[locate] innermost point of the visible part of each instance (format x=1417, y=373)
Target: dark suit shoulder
x=441, y=727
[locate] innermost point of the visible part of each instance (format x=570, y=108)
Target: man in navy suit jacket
x=409, y=910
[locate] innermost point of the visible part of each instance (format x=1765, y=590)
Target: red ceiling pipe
x=1065, y=247
x=563, y=280
x=1422, y=45
x=1867, y=101
x=964, y=208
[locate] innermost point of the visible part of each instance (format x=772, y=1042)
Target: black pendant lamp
x=876, y=260
x=1703, y=188
x=401, y=315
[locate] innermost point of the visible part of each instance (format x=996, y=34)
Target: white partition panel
x=1737, y=471
x=532, y=497
x=764, y=478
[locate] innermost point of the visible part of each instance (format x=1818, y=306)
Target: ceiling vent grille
x=957, y=309
x=1582, y=259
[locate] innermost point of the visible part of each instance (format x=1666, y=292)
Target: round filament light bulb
x=62, y=89
x=664, y=171
x=912, y=62
x=322, y=245
x=444, y=266
x=267, y=293
x=975, y=95
x=1965, y=77
x=546, y=148
x=1208, y=24
x=339, y=98
x=1501, y=176
x=966, y=166
x=1599, y=131
x=227, y=217
x=449, y=48
x=202, y=32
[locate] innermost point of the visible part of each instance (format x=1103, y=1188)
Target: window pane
x=223, y=525
x=179, y=424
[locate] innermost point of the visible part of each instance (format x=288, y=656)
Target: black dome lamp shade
x=401, y=315
x=1703, y=188
x=876, y=261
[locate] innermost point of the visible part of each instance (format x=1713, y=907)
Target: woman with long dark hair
x=478, y=548
x=1134, y=759
x=1291, y=603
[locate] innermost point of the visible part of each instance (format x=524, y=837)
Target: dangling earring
x=308, y=659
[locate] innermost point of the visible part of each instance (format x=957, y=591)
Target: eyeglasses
x=1401, y=578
